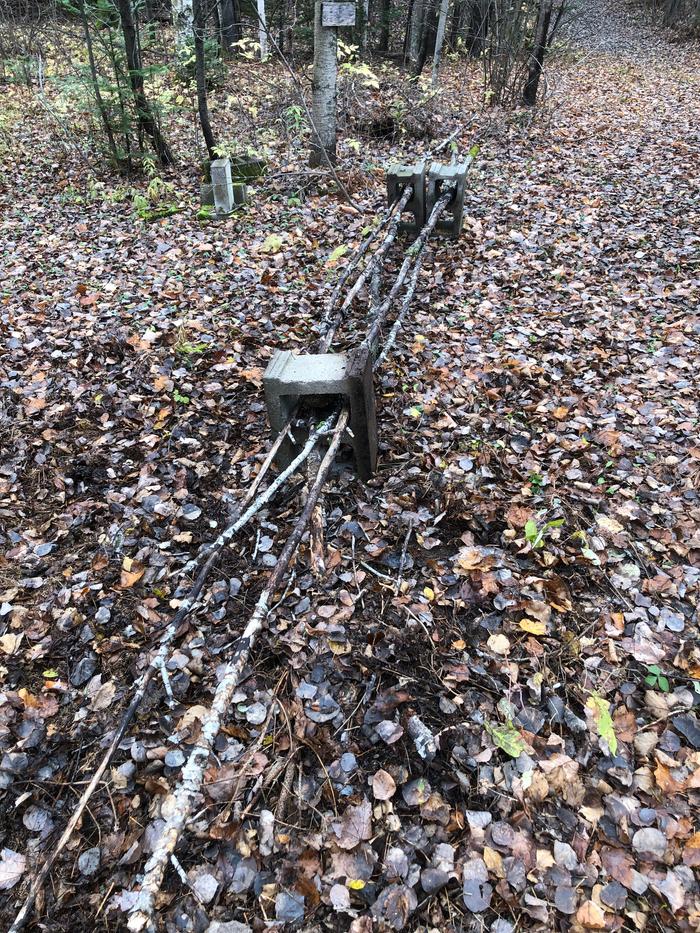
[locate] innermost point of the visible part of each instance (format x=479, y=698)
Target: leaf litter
x=482, y=739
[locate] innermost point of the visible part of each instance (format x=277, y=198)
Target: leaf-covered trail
x=540, y=455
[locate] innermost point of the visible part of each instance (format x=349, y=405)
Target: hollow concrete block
x=450, y=221
x=290, y=378
x=397, y=179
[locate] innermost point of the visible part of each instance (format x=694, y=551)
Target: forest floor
x=539, y=451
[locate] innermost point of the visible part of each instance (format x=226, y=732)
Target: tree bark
x=262, y=30
x=384, y=33
x=414, y=44
x=144, y=114
x=439, y=39
x=287, y=31
x=199, y=27
x=182, y=22
x=457, y=22
x=364, y=26
x=325, y=76
x=478, y=27
x=104, y=115
x=230, y=21
x=544, y=14
x=428, y=37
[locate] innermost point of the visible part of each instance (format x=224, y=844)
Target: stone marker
x=397, y=178
x=450, y=221
x=222, y=187
x=290, y=378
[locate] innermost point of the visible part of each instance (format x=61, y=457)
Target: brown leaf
x=383, y=785
x=355, y=825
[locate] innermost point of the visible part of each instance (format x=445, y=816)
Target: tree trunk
x=287, y=31
x=478, y=27
x=439, y=39
x=364, y=34
x=385, y=26
x=325, y=76
x=407, y=32
x=428, y=37
x=104, y=115
x=201, y=77
x=457, y=21
x=144, y=115
x=182, y=22
x=417, y=20
x=230, y=25
x=544, y=15
x=262, y=30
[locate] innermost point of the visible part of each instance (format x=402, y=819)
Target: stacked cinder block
x=428, y=185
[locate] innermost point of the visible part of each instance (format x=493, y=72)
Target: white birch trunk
x=183, y=22
x=262, y=30
x=323, y=108
x=439, y=39
x=365, y=24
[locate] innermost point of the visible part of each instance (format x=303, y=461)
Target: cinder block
x=450, y=222
x=397, y=178
x=290, y=378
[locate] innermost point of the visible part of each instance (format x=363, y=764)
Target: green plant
x=656, y=679
x=215, y=69
x=181, y=399
x=535, y=535
x=294, y=119
x=536, y=480
x=155, y=203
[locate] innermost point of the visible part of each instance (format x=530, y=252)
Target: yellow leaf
x=428, y=593
x=339, y=647
x=355, y=884
x=533, y=627
x=603, y=720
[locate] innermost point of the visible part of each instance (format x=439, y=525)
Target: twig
x=157, y=663
x=412, y=253
x=373, y=264
x=179, y=803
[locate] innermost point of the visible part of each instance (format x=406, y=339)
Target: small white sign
x=338, y=14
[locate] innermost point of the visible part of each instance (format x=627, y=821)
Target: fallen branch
x=412, y=255
x=157, y=663
x=369, y=269
x=177, y=807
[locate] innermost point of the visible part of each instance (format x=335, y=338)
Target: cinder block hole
x=408, y=217
x=316, y=407
x=438, y=190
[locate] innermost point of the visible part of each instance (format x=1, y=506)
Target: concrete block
x=322, y=376
x=222, y=186
x=397, y=178
x=206, y=194
x=450, y=222
x=240, y=192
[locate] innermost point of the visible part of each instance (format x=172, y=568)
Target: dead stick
x=178, y=805
x=373, y=264
x=155, y=663
x=75, y=819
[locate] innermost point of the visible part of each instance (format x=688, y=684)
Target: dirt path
x=539, y=430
